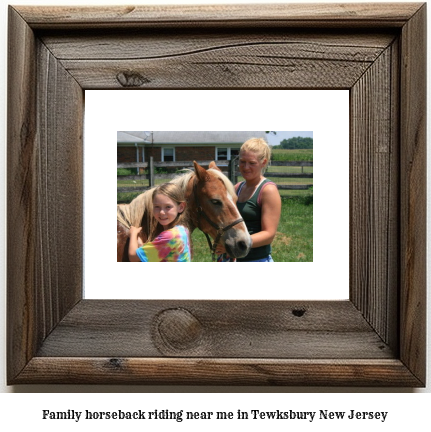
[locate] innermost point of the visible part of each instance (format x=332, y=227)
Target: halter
x=220, y=230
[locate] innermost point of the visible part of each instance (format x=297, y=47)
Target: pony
x=211, y=207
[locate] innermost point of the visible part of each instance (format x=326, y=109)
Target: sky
x=280, y=136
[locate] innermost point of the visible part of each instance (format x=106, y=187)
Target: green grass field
x=292, y=155
x=293, y=241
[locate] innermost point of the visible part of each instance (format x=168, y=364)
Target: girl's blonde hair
x=260, y=147
x=175, y=193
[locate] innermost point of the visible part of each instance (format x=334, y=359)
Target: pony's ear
x=214, y=166
x=201, y=173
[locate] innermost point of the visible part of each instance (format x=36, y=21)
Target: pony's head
x=217, y=214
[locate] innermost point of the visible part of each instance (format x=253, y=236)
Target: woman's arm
x=133, y=243
x=271, y=211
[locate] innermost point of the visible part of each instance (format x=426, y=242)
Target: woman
x=259, y=201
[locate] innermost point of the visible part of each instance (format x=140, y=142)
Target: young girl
x=168, y=240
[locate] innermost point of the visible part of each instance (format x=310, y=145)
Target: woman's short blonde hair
x=260, y=147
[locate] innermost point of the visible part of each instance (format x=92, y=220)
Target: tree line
x=295, y=143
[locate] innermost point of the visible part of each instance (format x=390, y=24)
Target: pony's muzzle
x=237, y=243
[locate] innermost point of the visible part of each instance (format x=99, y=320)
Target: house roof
x=189, y=137
x=133, y=137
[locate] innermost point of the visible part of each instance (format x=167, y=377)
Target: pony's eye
x=216, y=202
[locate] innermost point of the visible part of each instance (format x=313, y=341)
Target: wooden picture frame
x=376, y=338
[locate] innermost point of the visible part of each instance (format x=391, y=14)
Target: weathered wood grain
x=254, y=15
x=374, y=189
x=199, y=59
x=21, y=196
x=197, y=371
x=376, y=338
x=45, y=186
x=413, y=194
x=227, y=70
x=139, y=44
x=241, y=329
x=59, y=182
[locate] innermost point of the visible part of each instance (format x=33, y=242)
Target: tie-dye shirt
x=170, y=246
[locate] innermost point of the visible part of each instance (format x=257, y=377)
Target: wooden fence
x=302, y=174
x=229, y=168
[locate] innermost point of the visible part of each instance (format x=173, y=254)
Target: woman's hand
x=220, y=249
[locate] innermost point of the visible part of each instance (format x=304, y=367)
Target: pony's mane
x=132, y=214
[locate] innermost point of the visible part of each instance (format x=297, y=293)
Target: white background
x=326, y=113
x=23, y=409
